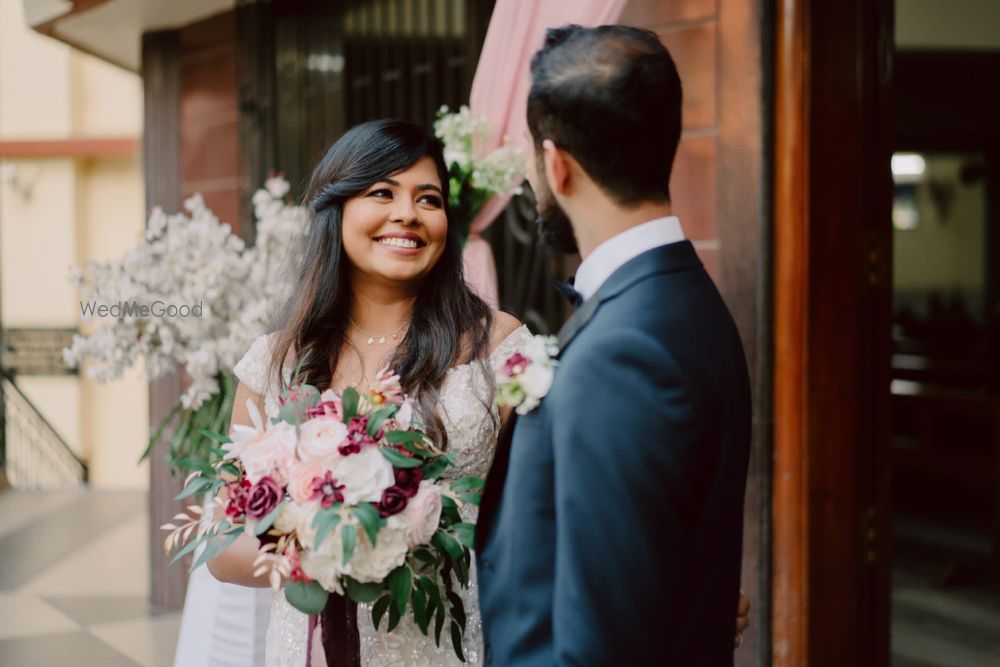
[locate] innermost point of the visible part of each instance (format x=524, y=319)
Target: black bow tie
x=567, y=290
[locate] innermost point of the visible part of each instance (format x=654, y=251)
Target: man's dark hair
x=610, y=96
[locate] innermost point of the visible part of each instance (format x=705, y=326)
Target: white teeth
x=398, y=242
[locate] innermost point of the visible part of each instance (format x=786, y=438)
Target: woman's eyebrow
x=422, y=186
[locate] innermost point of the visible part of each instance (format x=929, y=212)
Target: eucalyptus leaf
x=359, y=592
x=201, y=465
x=438, y=625
x=467, y=484
x=449, y=544
x=218, y=437
x=457, y=608
x=436, y=467
x=307, y=597
x=419, y=601
x=196, y=485
x=378, y=417
x=394, y=616
x=264, y=524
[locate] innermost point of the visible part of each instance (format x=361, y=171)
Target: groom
x=611, y=525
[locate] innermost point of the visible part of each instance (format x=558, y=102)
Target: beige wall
x=60, y=211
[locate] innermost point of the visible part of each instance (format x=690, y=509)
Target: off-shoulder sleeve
x=253, y=369
x=515, y=341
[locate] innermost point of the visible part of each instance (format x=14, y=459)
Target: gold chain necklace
x=372, y=338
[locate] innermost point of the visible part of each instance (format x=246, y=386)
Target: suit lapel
x=664, y=259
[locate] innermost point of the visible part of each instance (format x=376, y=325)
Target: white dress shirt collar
x=616, y=251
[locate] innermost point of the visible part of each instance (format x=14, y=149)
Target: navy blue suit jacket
x=611, y=526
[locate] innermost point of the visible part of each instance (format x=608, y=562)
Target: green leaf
x=158, y=433
x=192, y=463
x=350, y=537
x=188, y=548
x=215, y=547
x=467, y=484
x=448, y=504
x=438, y=625
x=418, y=450
x=435, y=468
x=265, y=523
x=218, y=437
x=431, y=588
x=457, y=608
x=462, y=571
x=308, y=597
x=196, y=485
x=466, y=534
x=471, y=497
x=420, y=615
x=360, y=592
x=230, y=469
x=403, y=437
x=449, y=544
x=398, y=459
x=379, y=609
x=394, y=617
x=399, y=581
x=349, y=399
x=456, y=640
x=324, y=522
x=378, y=417
x=368, y=517
x=425, y=556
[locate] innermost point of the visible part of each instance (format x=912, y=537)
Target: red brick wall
x=209, y=116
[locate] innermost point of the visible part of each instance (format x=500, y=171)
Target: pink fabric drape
x=500, y=93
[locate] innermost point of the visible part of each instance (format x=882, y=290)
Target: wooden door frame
x=832, y=287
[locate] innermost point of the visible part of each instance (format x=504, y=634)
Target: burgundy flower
x=357, y=436
x=326, y=490
x=239, y=491
x=394, y=501
x=408, y=480
x=324, y=409
x=515, y=365
x=264, y=497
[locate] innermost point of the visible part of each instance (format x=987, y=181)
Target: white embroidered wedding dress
x=472, y=434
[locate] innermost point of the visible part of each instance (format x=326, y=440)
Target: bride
x=381, y=284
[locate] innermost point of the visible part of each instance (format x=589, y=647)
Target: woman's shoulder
x=504, y=325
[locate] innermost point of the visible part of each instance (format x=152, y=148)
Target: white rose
x=536, y=380
x=273, y=453
x=374, y=565
x=319, y=438
x=365, y=475
x=422, y=515
x=297, y=517
x=325, y=569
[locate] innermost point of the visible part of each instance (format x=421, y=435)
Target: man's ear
x=556, y=164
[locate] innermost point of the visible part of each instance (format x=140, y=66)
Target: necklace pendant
x=371, y=340
x=381, y=341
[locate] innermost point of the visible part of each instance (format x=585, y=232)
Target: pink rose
x=300, y=479
x=264, y=497
x=320, y=438
x=271, y=453
x=515, y=365
x=422, y=514
x=329, y=406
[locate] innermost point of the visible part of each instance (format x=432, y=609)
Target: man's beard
x=554, y=226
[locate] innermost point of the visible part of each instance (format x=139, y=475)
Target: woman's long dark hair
x=450, y=325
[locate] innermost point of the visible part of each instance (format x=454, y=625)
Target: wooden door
x=832, y=291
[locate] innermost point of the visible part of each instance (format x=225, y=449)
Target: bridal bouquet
x=345, y=493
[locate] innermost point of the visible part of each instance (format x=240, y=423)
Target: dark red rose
x=264, y=497
x=238, y=491
x=357, y=436
x=327, y=490
x=408, y=480
x=394, y=501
